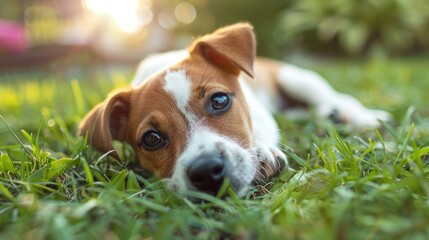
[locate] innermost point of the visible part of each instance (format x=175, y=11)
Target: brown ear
x=107, y=121
x=232, y=48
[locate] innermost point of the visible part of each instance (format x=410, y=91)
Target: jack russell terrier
x=196, y=118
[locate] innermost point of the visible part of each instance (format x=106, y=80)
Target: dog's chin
x=238, y=187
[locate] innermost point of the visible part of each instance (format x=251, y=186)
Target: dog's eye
x=220, y=101
x=152, y=140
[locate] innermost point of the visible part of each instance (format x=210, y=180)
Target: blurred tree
x=211, y=15
x=330, y=26
x=357, y=27
x=11, y=10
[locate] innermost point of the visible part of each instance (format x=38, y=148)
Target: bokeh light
x=167, y=20
x=185, y=12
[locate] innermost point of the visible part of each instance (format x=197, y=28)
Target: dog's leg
x=309, y=87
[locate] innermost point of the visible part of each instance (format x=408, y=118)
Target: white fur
x=305, y=85
x=179, y=86
x=156, y=63
x=265, y=129
x=266, y=135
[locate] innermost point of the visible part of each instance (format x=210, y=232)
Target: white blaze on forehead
x=178, y=85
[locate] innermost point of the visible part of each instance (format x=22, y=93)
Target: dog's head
x=189, y=124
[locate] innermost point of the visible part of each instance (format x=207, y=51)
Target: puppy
x=203, y=115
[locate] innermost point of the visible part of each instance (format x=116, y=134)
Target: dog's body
x=198, y=117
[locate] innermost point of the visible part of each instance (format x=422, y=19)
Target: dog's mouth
x=222, y=190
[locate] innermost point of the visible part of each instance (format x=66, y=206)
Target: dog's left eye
x=152, y=140
x=220, y=101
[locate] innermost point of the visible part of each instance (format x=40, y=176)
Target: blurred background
x=34, y=32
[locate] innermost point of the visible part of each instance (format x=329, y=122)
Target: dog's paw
x=271, y=161
x=348, y=110
x=360, y=119
x=381, y=115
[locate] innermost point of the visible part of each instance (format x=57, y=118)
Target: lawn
x=346, y=184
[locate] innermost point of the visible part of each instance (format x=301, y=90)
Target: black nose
x=207, y=173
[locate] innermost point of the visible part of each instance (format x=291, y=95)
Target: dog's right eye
x=220, y=102
x=152, y=140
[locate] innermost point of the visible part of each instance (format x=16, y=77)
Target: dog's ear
x=231, y=48
x=107, y=121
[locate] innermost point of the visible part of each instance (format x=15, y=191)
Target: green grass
x=370, y=184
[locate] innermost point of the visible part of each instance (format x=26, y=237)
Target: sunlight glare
x=128, y=15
